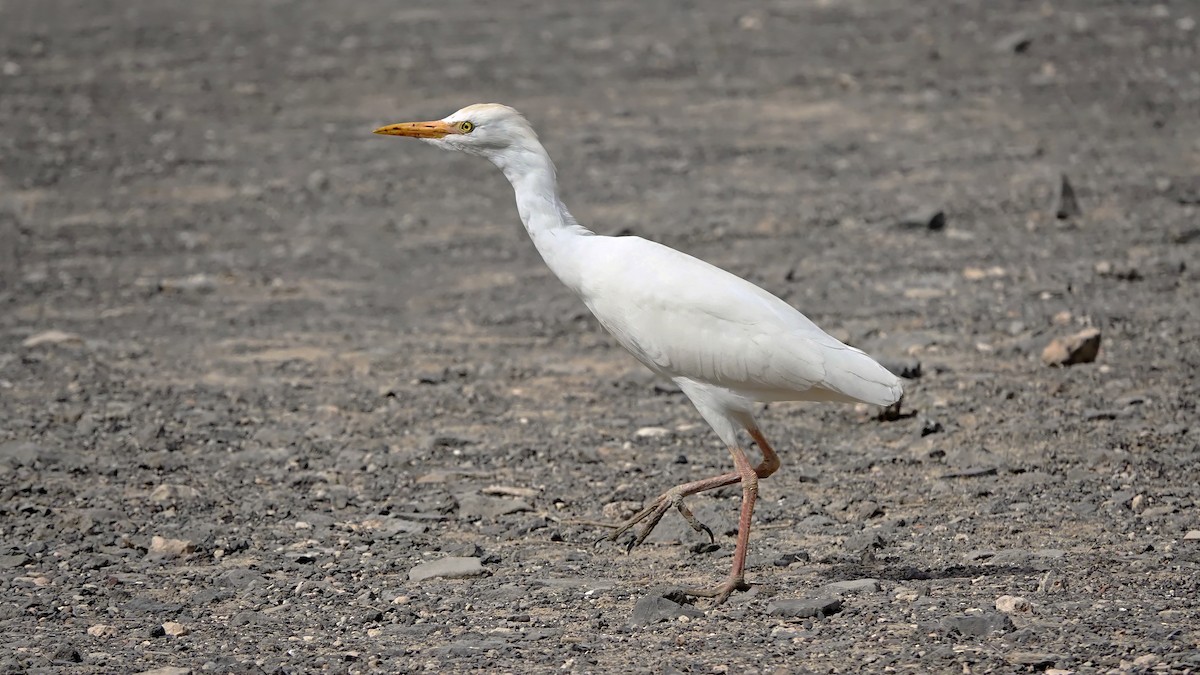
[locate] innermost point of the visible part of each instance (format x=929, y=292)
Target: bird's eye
x=466, y=127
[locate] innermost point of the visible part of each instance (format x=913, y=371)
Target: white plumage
x=727, y=343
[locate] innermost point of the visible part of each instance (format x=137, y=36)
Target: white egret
x=725, y=342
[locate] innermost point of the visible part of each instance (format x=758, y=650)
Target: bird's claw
x=721, y=592
x=653, y=513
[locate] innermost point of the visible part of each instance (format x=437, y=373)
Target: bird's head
x=487, y=129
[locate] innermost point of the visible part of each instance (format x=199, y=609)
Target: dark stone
x=908, y=368
x=65, y=653
x=932, y=220
x=1034, y=660
x=1068, y=205
x=805, y=608
x=13, y=560
x=978, y=625
x=656, y=609
x=240, y=578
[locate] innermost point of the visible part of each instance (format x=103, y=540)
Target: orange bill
x=436, y=129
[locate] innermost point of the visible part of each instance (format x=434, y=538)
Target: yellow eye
x=466, y=127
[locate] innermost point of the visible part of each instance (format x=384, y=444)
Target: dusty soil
x=257, y=365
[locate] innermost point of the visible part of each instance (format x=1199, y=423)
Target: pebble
x=196, y=283
x=101, y=630
x=656, y=609
x=788, y=559
x=864, y=541
x=175, y=629
x=1013, y=604
x=65, y=653
x=1192, y=535
x=167, y=670
x=852, y=586
x=168, y=493
x=930, y=427
x=162, y=548
x=1068, y=205
x=978, y=625
x=906, y=367
x=51, y=337
x=1017, y=42
x=1034, y=660
x=652, y=432
x=242, y=578
x=805, y=608
x=932, y=220
x=390, y=526
x=473, y=505
x=317, y=181
x=447, y=568
x=1082, y=347
x=12, y=560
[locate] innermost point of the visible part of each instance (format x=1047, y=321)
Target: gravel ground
x=277, y=395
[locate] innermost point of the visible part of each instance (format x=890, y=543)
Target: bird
x=726, y=343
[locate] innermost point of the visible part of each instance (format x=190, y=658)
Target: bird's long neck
x=552, y=228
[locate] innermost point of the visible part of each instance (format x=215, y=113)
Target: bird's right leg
x=674, y=497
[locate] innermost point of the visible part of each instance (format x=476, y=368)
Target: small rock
x=930, y=427
x=162, y=548
x=806, y=608
x=390, y=526
x=447, y=568
x=318, y=181
x=174, y=629
x=651, y=432
x=65, y=653
x=1017, y=42
x=12, y=560
x=1121, y=272
x=51, y=337
x=1082, y=347
x=241, y=578
x=620, y=511
x=908, y=368
x=978, y=625
x=788, y=559
x=1012, y=604
x=656, y=609
x=932, y=220
x=1034, y=660
x=864, y=541
x=852, y=586
x=167, y=670
x=1145, y=661
x=1192, y=535
x=170, y=494
x=1068, y=205
x=196, y=283
x=473, y=505
x=20, y=453
x=101, y=630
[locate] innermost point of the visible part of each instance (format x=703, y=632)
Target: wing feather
x=684, y=317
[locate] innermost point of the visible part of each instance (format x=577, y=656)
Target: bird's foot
x=654, y=513
x=722, y=591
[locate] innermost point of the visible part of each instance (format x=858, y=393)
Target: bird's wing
x=686, y=318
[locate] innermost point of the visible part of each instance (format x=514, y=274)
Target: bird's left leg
x=736, y=581
x=674, y=497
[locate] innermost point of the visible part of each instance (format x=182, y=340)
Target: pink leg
x=736, y=581
x=674, y=496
